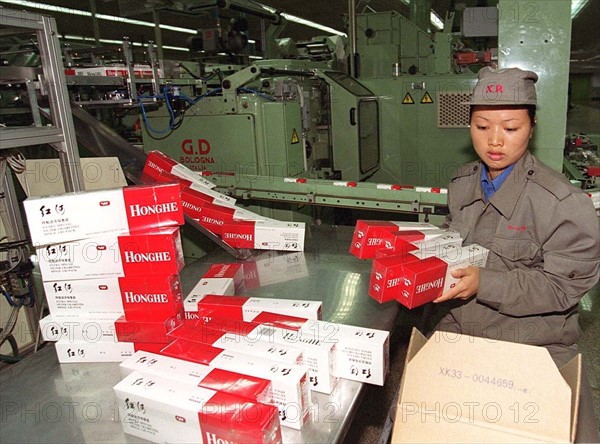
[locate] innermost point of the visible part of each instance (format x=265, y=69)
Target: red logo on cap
x=498, y=88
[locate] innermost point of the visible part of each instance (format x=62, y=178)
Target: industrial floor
x=373, y=426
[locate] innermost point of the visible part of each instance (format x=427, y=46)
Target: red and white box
x=434, y=246
x=265, y=235
x=226, y=271
x=361, y=354
x=319, y=355
x=157, y=163
x=409, y=240
x=84, y=296
x=198, y=375
x=77, y=328
x=150, y=347
x=155, y=252
x=290, y=382
x=154, y=331
x=272, y=267
x=162, y=410
x=152, y=297
x=421, y=276
x=369, y=235
x=139, y=71
x=247, y=308
x=206, y=286
x=202, y=332
x=79, y=215
x=82, y=351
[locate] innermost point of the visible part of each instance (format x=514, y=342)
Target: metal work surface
x=44, y=401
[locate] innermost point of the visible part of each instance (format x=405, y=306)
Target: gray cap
x=511, y=86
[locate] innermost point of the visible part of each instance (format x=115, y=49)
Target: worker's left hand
x=465, y=288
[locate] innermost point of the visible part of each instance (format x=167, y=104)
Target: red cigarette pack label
x=153, y=297
x=232, y=271
x=79, y=215
x=158, y=163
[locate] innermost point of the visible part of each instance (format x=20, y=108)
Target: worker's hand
x=465, y=288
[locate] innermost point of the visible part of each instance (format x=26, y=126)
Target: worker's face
x=500, y=135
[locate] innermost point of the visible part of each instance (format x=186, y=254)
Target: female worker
x=542, y=233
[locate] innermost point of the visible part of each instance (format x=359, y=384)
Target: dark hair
x=530, y=110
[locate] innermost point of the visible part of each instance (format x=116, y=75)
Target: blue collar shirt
x=488, y=186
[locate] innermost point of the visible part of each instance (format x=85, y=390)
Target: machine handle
x=353, y=116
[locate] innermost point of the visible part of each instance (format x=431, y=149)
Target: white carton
x=77, y=328
x=85, y=296
x=265, y=235
x=220, y=286
x=81, y=351
x=459, y=388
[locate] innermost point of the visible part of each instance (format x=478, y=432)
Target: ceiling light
x=111, y=18
x=436, y=20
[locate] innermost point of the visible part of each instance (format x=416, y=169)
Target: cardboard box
x=361, y=354
x=368, y=235
x=84, y=296
x=421, y=276
x=83, y=214
x=152, y=297
x=82, y=351
x=458, y=388
x=202, y=332
x=247, y=308
x=220, y=271
x=154, y=331
x=290, y=382
x=198, y=375
x=206, y=286
x=319, y=355
x=162, y=410
x=157, y=163
x=70, y=328
x=158, y=252
x=264, y=235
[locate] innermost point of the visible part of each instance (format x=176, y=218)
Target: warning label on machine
x=426, y=98
x=408, y=100
x=295, y=138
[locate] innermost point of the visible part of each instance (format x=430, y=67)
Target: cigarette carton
x=77, y=328
x=84, y=296
x=205, y=286
x=150, y=347
x=198, y=375
x=156, y=252
x=400, y=242
x=370, y=236
x=264, y=235
x=289, y=382
x=421, y=276
x=459, y=388
x=361, y=354
x=79, y=215
x=162, y=410
x=82, y=351
x=202, y=332
x=226, y=271
x=319, y=355
x=150, y=298
x=247, y=308
x=147, y=331
x=157, y=163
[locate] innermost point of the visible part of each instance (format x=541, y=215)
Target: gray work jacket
x=544, y=240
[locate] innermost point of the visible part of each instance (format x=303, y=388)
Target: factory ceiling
x=585, y=51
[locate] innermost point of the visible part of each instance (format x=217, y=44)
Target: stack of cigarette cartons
x=412, y=261
x=94, y=251
x=218, y=213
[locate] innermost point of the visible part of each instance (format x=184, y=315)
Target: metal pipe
x=352, y=37
x=95, y=25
